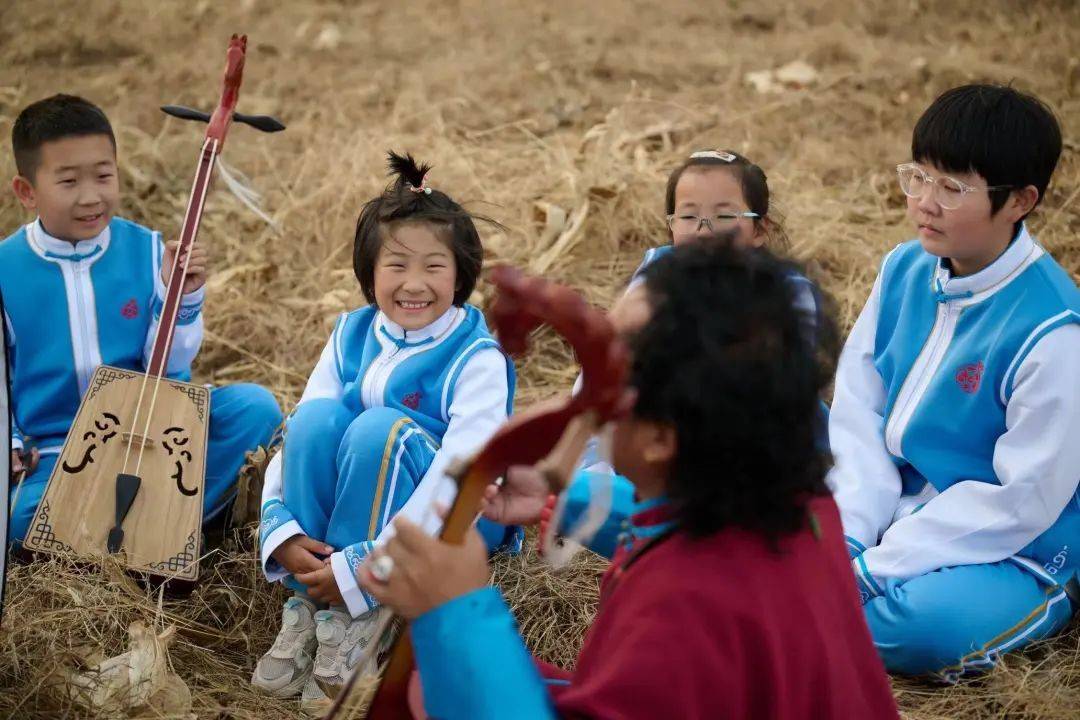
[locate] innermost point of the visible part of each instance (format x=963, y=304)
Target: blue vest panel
x=45, y=387
x=421, y=385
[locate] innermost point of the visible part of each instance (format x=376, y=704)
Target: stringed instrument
x=130, y=477
x=552, y=437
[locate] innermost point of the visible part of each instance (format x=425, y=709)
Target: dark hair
x=752, y=180
x=54, y=118
x=408, y=199
x=1006, y=136
x=722, y=360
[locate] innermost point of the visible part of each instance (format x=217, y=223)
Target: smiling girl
x=403, y=386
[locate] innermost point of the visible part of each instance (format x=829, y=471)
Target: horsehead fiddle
x=551, y=436
x=133, y=425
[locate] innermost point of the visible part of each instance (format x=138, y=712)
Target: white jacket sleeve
x=277, y=524
x=188, y=335
x=477, y=411
x=864, y=480
x=1037, y=462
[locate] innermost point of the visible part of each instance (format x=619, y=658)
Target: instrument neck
x=178, y=274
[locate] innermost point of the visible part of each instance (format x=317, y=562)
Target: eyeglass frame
x=934, y=183
x=703, y=219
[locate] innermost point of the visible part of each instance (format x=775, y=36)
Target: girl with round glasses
x=719, y=195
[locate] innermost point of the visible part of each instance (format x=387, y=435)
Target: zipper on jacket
x=920, y=375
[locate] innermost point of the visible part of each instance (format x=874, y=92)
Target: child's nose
x=414, y=283
x=704, y=229
x=927, y=202
x=88, y=194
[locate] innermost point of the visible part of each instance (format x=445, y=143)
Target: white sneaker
x=342, y=642
x=286, y=667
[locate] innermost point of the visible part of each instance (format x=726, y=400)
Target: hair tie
x=423, y=188
x=714, y=154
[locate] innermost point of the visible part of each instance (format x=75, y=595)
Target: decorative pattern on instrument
x=43, y=536
x=198, y=398
x=106, y=375
x=182, y=559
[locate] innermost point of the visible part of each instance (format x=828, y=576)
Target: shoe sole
x=315, y=708
x=286, y=691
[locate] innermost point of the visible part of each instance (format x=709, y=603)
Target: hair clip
x=423, y=186
x=714, y=154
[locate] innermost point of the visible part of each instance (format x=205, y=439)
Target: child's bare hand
x=427, y=572
x=196, y=269
x=520, y=499
x=301, y=554
x=322, y=585
x=21, y=461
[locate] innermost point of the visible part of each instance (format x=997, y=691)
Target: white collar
x=55, y=249
x=1020, y=253
x=433, y=330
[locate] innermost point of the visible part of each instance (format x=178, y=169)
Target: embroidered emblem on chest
x=969, y=377
x=411, y=401
x=130, y=310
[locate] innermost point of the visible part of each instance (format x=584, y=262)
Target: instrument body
x=164, y=523
x=550, y=436
x=130, y=477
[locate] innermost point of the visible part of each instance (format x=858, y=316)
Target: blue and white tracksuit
x=954, y=428
x=70, y=308
x=383, y=413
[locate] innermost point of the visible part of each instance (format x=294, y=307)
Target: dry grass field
x=560, y=120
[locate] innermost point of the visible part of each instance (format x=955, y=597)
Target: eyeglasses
x=689, y=223
x=947, y=191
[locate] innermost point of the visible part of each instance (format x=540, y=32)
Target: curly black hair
x=722, y=360
x=407, y=199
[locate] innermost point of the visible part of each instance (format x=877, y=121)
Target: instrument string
x=168, y=319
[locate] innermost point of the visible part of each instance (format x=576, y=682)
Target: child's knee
x=317, y=421
x=20, y=522
x=933, y=624
x=25, y=507
x=373, y=428
x=913, y=641
x=261, y=408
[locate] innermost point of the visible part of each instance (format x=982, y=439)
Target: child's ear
x=762, y=226
x=661, y=443
x=1022, y=201
x=24, y=190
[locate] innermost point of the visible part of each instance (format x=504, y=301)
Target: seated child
x=721, y=194
x=957, y=406
x=83, y=288
x=404, y=385
x=729, y=594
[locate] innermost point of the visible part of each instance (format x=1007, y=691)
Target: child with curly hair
x=729, y=593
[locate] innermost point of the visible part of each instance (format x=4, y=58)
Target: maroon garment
x=727, y=627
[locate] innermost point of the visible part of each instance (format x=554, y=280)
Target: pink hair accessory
x=423, y=186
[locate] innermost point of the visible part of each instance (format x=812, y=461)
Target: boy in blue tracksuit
x=957, y=404
x=83, y=288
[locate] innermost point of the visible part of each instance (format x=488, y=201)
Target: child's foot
x=342, y=642
x=284, y=669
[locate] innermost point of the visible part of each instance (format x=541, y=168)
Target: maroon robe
x=728, y=627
